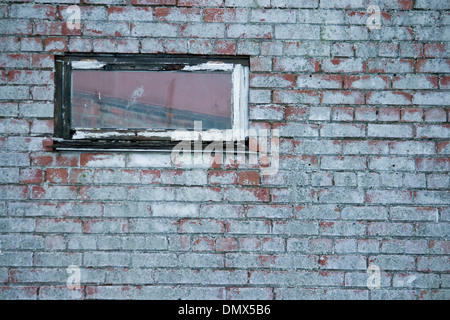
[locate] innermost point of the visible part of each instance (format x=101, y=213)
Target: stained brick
x=362, y=176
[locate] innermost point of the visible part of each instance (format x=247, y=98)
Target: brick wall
x=364, y=166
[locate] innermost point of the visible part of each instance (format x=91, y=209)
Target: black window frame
x=127, y=139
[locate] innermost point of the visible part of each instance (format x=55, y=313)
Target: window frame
x=68, y=137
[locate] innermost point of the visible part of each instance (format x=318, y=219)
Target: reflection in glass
x=150, y=99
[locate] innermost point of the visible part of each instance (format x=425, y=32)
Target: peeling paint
x=210, y=66
x=87, y=64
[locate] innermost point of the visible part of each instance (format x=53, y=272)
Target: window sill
x=136, y=145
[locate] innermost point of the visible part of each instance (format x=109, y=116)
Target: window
x=146, y=101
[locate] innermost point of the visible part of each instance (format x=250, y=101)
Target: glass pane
x=150, y=99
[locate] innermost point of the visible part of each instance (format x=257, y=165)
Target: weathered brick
x=14, y=92
x=410, y=81
x=342, y=163
x=272, y=80
x=413, y=213
x=341, y=195
x=342, y=65
x=250, y=31
x=319, y=81
x=106, y=259
x=388, y=196
x=59, y=225
x=306, y=48
x=247, y=3
x=362, y=174
x=295, y=64
x=433, y=164
x=342, y=130
x=297, y=31
x=102, y=193
x=55, y=44
x=433, y=131
x=389, y=131
x=141, y=29
x=366, y=82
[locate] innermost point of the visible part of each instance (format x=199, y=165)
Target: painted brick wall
x=364, y=170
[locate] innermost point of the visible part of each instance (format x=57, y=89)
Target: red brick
x=31, y=44
x=36, y=77
x=389, y=114
x=42, y=60
x=175, y=46
x=101, y=160
x=343, y=97
x=389, y=65
x=297, y=96
x=200, y=3
x=32, y=175
x=54, y=28
x=150, y=176
x=320, y=81
x=249, y=178
x=153, y=2
x=433, y=164
x=104, y=45
x=434, y=50
x=127, y=45
x=225, y=47
x=203, y=244
x=412, y=115
x=432, y=65
x=198, y=46
x=440, y=246
x=3, y=77
x=55, y=44
x=15, y=60
x=175, y=14
x=251, y=194
x=436, y=115
x=273, y=244
x=249, y=244
x=343, y=65
x=57, y=175
x=47, y=144
x=388, y=196
x=222, y=177
x=79, y=175
x=96, y=225
x=200, y=226
x=442, y=146
x=295, y=113
x=411, y=49
x=66, y=160
x=180, y=242
x=260, y=64
x=405, y=4
x=225, y=15
x=272, y=80
x=365, y=113
x=445, y=82
x=42, y=160
x=342, y=114
x=388, y=49
x=367, y=82
x=389, y=98
x=226, y=244
x=51, y=192
x=42, y=126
